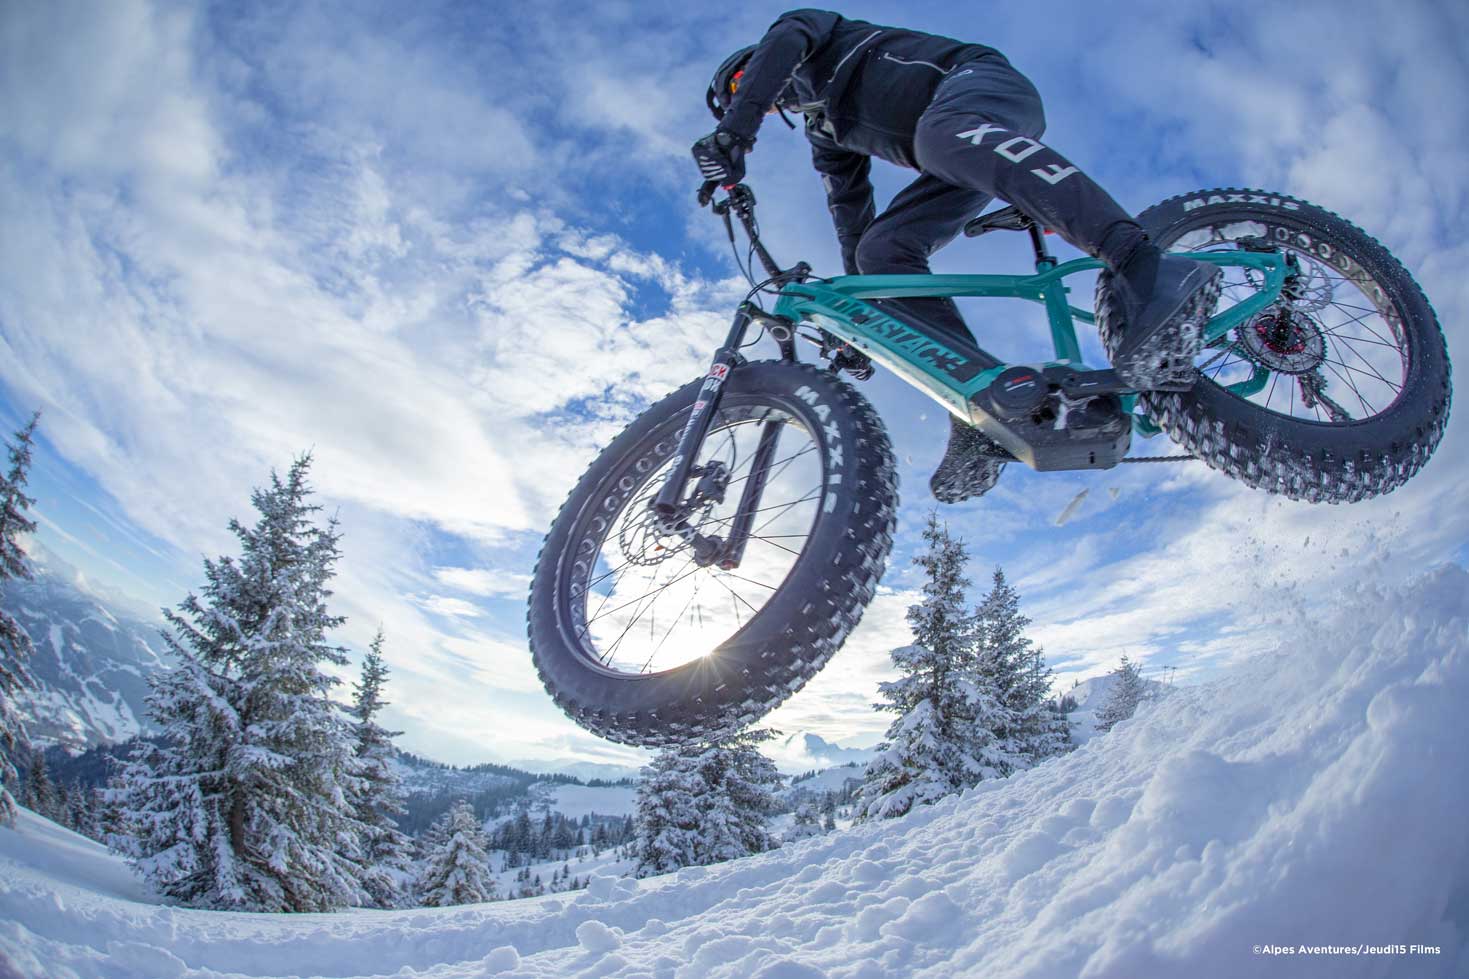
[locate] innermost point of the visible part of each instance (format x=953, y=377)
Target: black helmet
x=726, y=80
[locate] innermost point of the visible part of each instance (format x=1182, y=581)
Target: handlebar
x=740, y=201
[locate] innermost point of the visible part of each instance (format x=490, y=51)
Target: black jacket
x=862, y=88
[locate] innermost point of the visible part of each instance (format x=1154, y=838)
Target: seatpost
x=1043, y=259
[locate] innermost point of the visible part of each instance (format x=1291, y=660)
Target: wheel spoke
x=783, y=463
x=648, y=665
x=637, y=614
x=731, y=574
x=646, y=594
x=1351, y=387
x=772, y=543
x=737, y=596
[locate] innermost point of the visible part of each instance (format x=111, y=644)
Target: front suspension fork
x=670, y=504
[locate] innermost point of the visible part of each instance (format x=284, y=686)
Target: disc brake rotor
x=646, y=541
x=1309, y=289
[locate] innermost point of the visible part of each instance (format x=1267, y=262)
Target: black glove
x=721, y=158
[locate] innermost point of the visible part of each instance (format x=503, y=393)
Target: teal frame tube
x=838, y=306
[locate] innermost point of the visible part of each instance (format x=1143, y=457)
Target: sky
x=450, y=249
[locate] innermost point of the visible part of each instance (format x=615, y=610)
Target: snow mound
x=1314, y=797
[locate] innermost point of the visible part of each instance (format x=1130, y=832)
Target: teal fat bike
x=720, y=549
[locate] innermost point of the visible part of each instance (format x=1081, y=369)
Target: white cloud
x=484, y=581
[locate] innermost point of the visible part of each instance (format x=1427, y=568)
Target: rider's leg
x=922, y=218
x=982, y=131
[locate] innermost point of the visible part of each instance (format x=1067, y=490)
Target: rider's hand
x=721, y=157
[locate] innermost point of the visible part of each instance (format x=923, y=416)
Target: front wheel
x=1337, y=393
x=639, y=636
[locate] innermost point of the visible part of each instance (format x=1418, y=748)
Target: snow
x=576, y=801
x=1313, y=797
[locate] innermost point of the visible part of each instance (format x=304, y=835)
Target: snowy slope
x=1315, y=796
x=576, y=801
x=1091, y=695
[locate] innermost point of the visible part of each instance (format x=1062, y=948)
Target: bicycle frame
x=950, y=376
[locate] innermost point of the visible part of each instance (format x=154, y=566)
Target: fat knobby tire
x=798, y=628
x=1301, y=458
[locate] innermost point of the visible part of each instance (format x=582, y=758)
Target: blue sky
x=451, y=249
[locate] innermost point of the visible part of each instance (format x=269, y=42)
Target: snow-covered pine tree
x=667, y=822
x=738, y=798
x=1122, y=699
x=930, y=750
x=245, y=806
x=705, y=803
x=15, y=643
x=806, y=822
x=1025, y=729
x=828, y=813
x=457, y=871
x=378, y=795
x=38, y=792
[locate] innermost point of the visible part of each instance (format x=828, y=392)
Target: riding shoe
x=971, y=465
x=1164, y=302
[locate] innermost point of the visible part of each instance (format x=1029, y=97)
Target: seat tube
x=1063, y=327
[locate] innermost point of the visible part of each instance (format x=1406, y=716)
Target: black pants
x=978, y=140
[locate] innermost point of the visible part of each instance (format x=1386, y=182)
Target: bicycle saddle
x=1005, y=219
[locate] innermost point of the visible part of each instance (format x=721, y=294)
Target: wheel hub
x=655, y=537
x=1285, y=340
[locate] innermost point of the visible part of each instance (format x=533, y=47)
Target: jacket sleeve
x=788, y=43
x=848, y=193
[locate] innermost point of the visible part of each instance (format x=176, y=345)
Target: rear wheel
x=640, y=634
x=1338, y=393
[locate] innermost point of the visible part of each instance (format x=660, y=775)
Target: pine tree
x=668, y=824
x=806, y=822
x=1126, y=693
x=738, y=798
x=1025, y=729
x=930, y=750
x=15, y=643
x=828, y=813
x=378, y=795
x=457, y=871
x=245, y=805
x=39, y=792
x=705, y=803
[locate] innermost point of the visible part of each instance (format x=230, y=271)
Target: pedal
x=1057, y=418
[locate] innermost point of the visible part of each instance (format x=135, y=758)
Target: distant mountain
x=91, y=663
x=803, y=752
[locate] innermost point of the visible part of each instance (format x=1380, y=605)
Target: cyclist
x=970, y=124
